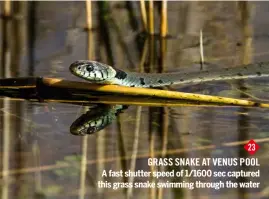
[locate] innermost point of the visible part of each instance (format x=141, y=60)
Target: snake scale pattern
x=99, y=73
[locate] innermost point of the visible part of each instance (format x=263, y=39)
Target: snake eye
x=89, y=68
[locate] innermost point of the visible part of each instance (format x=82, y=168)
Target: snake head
x=92, y=70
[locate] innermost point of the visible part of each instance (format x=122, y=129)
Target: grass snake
x=100, y=73
x=96, y=72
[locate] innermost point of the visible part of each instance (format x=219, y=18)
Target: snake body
x=100, y=73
